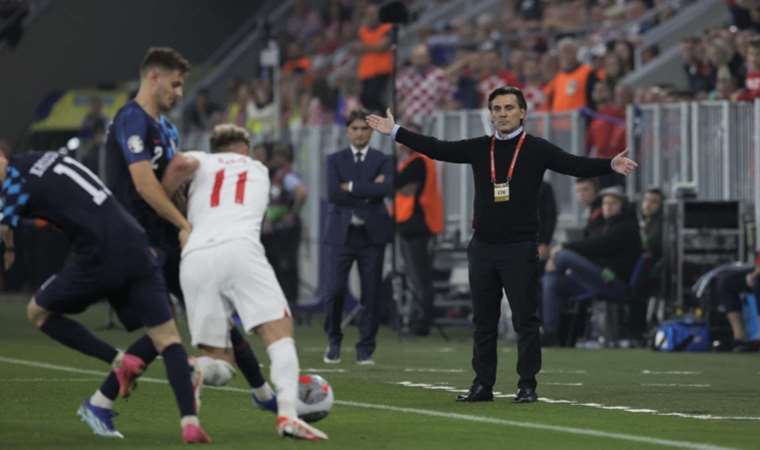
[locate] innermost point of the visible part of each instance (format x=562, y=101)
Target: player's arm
x=179, y=171
x=151, y=190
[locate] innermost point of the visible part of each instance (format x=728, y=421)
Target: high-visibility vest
x=372, y=64
x=567, y=90
x=431, y=202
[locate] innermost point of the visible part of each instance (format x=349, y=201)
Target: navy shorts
x=134, y=286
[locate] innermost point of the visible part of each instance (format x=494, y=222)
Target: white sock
x=100, y=400
x=264, y=392
x=284, y=375
x=189, y=420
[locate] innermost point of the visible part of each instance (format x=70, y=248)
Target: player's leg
x=148, y=296
x=261, y=304
x=262, y=393
x=68, y=292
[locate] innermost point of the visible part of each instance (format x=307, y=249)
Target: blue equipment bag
x=682, y=335
x=749, y=314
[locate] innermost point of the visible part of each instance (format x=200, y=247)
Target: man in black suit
x=357, y=228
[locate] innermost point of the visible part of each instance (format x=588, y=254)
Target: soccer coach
x=507, y=170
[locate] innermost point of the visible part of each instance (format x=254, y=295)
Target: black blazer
x=365, y=200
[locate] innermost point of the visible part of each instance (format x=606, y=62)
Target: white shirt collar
x=511, y=135
x=356, y=150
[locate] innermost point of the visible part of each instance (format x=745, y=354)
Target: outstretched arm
x=449, y=151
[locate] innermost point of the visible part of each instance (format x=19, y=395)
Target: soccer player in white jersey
x=224, y=269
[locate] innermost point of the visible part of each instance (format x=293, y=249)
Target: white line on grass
x=669, y=372
x=675, y=385
x=431, y=413
x=424, y=370
x=49, y=380
x=628, y=409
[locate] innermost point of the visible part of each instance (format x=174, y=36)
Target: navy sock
x=178, y=371
x=144, y=348
x=73, y=335
x=245, y=359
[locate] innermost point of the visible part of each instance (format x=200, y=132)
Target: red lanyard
x=514, y=158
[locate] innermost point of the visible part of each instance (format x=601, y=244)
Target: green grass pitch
x=406, y=401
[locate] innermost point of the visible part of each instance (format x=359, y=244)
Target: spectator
x=600, y=264
x=586, y=191
x=532, y=83
x=725, y=86
x=422, y=88
x=199, y=118
x=281, y=231
x=304, y=22
x=697, y=71
x=605, y=136
x=752, y=81
x=375, y=60
x=571, y=87
x=94, y=119
x=651, y=228
x=492, y=75
x=731, y=285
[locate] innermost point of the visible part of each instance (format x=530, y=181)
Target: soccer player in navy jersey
x=141, y=144
x=110, y=259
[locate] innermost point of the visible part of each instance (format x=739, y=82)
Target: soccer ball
x=216, y=372
x=315, y=398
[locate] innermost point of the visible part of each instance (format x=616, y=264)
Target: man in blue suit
x=357, y=228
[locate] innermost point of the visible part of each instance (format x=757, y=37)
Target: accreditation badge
x=500, y=192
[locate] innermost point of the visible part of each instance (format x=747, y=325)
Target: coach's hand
x=382, y=124
x=623, y=165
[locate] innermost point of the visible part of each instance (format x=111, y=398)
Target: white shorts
x=228, y=277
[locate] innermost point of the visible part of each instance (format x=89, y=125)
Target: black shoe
x=332, y=354
x=746, y=346
x=525, y=395
x=477, y=393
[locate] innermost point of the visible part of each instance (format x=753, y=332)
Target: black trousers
x=418, y=262
x=340, y=258
x=281, y=247
x=512, y=268
x=374, y=93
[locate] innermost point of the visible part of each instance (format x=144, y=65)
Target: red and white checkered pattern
x=421, y=93
x=488, y=83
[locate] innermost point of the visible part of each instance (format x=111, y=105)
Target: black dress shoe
x=477, y=393
x=526, y=395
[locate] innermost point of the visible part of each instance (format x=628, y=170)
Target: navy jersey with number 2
x=134, y=136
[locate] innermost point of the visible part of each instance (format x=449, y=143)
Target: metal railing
x=713, y=146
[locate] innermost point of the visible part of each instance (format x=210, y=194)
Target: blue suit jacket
x=365, y=199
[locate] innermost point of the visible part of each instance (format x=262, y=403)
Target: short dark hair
x=227, y=134
x=164, y=58
x=508, y=90
x=594, y=182
x=656, y=191
x=357, y=114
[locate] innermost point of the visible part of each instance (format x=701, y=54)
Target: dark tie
x=358, y=157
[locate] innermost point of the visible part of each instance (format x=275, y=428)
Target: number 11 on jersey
x=239, y=188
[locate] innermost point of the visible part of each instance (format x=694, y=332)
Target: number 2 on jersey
x=239, y=188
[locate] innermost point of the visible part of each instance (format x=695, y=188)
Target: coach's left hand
x=382, y=124
x=623, y=165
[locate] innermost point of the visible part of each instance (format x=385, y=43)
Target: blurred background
x=674, y=81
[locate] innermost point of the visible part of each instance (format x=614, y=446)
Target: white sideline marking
x=628, y=409
x=424, y=370
x=669, y=372
x=563, y=371
x=561, y=384
x=675, y=385
x=325, y=370
x=41, y=380
x=432, y=413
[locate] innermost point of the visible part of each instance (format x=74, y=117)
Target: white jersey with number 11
x=227, y=199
